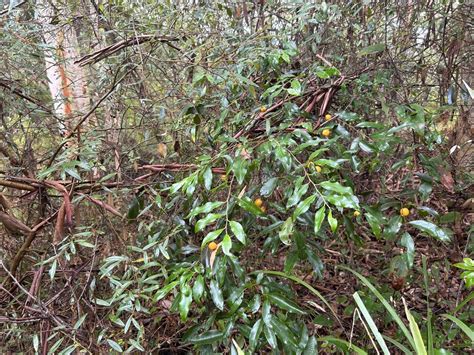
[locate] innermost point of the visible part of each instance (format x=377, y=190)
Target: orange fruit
x=318, y=168
x=356, y=213
x=326, y=132
x=258, y=202
x=263, y=109
x=327, y=117
x=404, y=212
x=212, y=246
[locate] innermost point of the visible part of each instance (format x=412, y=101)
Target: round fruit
x=327, y=117
x=318, y=168
x=356, y=213
x=212, y=246
x=258, y=202
x=263, y=109
x=326, y=132
x=404, y=212
x=263, y=209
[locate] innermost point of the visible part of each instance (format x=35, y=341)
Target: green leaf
x=375, y=48
x=326, y=162
x=463, y=326
x=73, y=172
x=249, y=206
x=371, y=323
x=393, y=227
x=303, y=206
x=336, y=187
x=284, y=333
x=206, y=208
x=216, y=294
x=209, y=337
x=420, y=348
x=311, y=347
x=185, y=300
x=285, y=303
x=409, y=244
x=431, y=229
x=207, y=178
x=344, y=201
x=297, y=194
x=115, y=345
x=385, y=303
x=319, y=218
x=239, y=167
x=270, y=336
x=198, y=288
x=298, y=281
x=266, y=314
x=286, y=231
x=226, y=245
x=268, y=187
x=204, y=222
x=237, y=347
x=374, y=223
x=255, y=335
x=295, y=89
x=343, y=345
x=238, y=231
x=211, y=236
x=332, y=221
x=165, y=290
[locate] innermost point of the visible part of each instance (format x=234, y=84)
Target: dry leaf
x=162, y=150
x=447, y=181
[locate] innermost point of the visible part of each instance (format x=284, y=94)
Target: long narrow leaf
x=371, y=323
x=343, y=345
x=303, y=283
x=387, y=305
x=464, y=327
x=415, y=331
x=398, y=345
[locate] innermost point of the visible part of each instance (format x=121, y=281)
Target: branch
x=103, y=53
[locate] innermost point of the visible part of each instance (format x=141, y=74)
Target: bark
x=66, y=80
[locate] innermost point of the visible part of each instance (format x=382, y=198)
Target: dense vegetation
x=238, y=177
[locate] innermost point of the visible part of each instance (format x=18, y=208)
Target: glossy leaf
x=209, y=337
x=226, y=244
x=319, y=218
x=204, y=222
x=286, y=231
x=216, y=294
x=255, y=335
x=303, y=206
x=268, y=187
x=431, y=229
x=211, y=236
x=336, y=187
x=284, y=303
x=238, y=231
x=332, y=221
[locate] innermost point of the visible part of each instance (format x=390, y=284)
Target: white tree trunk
x=67, y=81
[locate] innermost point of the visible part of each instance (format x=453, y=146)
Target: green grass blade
x=302, y=283
x=415, y=331
x=464, y=302
x=373, y=327
x=429, y=325
x=387, y=305
x=464, y=327
x=398, y=345
x=343, y=345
